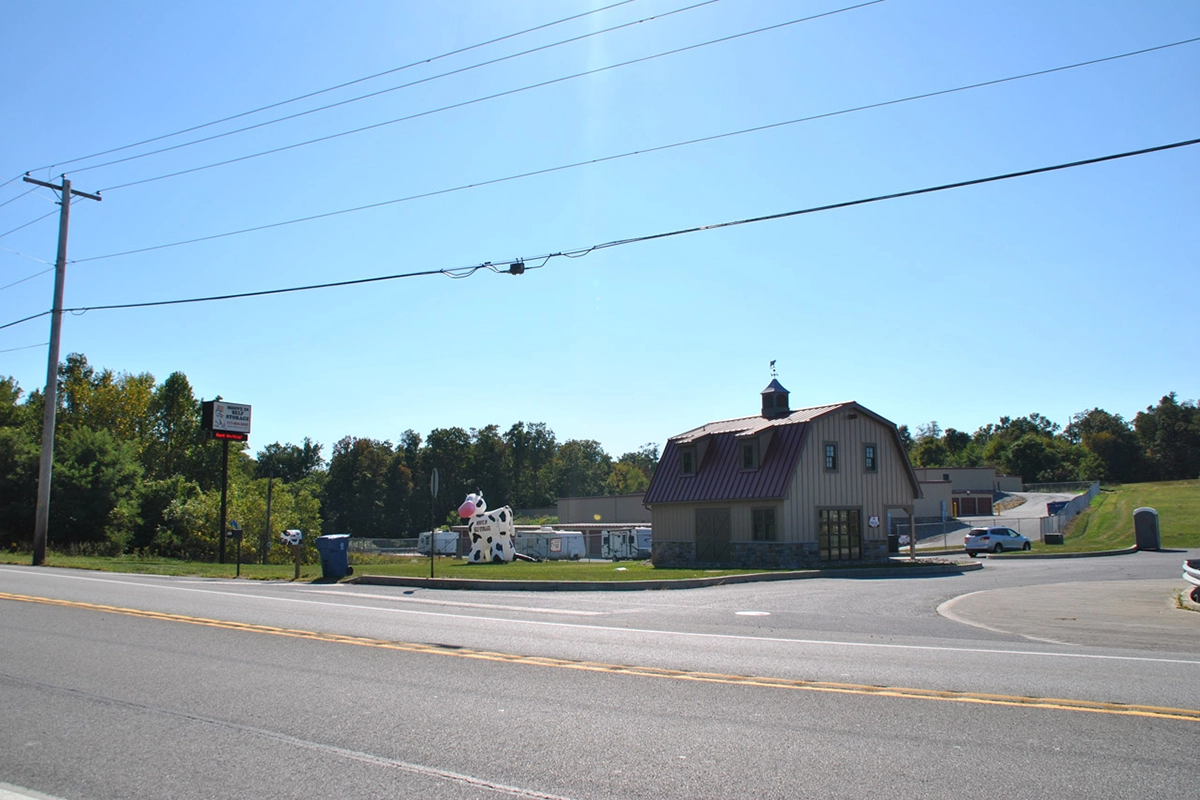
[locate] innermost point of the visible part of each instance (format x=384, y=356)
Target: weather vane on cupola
x=773, y=368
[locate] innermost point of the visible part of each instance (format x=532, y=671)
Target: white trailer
x=625, y=543
x=446, y=543
x=550, y=545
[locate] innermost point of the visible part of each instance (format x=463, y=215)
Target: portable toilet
x=1145, y=529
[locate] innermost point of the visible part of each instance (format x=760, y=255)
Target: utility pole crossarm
x=66, y=185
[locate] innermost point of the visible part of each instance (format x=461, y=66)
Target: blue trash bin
x=334, y=550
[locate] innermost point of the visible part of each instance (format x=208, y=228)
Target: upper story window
x=687, y=461
x=749, y=458
x=831, y=457
x=870, y=458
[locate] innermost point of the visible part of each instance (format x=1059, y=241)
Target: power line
x=380, y=92
x=308, y=95
x=19, y=196
x=27, y=224
x=642, y=151
x=25, y=255
x=495, y=96
x=517, y=266
x=28, y=347
x=27, y=278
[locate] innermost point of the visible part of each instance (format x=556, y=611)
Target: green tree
x=1110, y=440
x=12, y=412
x=930, y=452
x=289, y=462
x=580, y=469
x=644, y=459
x=93, y=497
x=956, y=441
x=356, y=488
x=449, y=451
x=532, y=447
x=20, y=451
x=176, y=441
x=488, y=466
x=1170, y=434
x=104, y=400
x=626, y=478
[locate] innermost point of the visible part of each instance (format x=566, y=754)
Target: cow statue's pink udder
x=491, y=531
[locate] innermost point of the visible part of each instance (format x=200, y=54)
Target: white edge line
x=608, y=628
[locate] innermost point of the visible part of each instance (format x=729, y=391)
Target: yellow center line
x=1059, y=704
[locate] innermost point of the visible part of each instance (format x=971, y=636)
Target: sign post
x=433, y=491
x=235, y=531
x=229, y=422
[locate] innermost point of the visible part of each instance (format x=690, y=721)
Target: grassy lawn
x=382, y=565
x=402, y=566
x=1107, y=524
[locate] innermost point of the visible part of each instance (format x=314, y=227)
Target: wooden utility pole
x=42, y=521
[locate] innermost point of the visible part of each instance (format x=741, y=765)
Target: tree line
x=1161, y=443
x=133, y=472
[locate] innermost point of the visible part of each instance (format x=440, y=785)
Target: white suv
x=994, y=540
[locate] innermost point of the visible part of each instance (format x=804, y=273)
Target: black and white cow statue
x=491, y=531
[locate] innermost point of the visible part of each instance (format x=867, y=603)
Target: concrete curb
x=917, y=571
x=1094, y=554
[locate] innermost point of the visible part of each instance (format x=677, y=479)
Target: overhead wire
x=26, y=347
x=380, y=92
x=26, y=255
x=467, y=271
x=642, y=151
x=27, y=224
x=27, y=278
x=14, y=198
x=507, y=93
x=318, y=92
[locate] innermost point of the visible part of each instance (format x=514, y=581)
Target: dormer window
x=687, y=461
x=749, y=459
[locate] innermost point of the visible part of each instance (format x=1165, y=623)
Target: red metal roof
x=719, y=476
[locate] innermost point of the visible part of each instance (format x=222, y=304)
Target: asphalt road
x=1065, y=678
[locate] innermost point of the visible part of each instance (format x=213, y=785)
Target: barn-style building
x=784, y=489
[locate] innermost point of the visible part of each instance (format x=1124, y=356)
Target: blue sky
x=1053, y=293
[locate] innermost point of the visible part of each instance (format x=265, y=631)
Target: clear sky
x=1052, y=293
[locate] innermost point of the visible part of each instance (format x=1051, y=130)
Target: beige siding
x=677, y=523
x=936, y=499
x=618, y=508
x=674, y=522
x=849, y=486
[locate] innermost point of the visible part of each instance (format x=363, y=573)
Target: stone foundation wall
x=759, y=555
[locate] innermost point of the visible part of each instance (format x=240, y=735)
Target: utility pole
x=42, y=522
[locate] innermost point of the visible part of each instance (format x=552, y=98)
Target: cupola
x=775, y=401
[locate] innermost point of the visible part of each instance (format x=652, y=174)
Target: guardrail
x=1191, y=574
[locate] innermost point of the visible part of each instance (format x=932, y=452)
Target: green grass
x=166, y=566
x=382, y=565
x=540, y=571
x=1107, y=524
x=399, y=566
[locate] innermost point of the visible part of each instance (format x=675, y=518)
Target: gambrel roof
x=718, y=474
